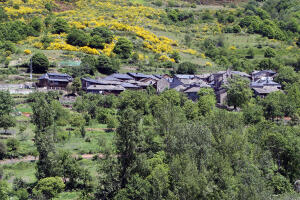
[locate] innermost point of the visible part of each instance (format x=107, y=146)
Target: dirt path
x=32, y=158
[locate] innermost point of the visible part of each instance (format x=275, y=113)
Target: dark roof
x=120, y=76
x=257, y=73
x=106, y=87
x=243, y=74
x=129, y=85
x=266, y=90
x=102, y=81
x=158, y=76
x=56, y=77
x=138, y=75
x=184, y=76
x=264, y=82
x=193, y=89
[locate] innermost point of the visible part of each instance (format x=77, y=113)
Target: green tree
x=40, y=63
x=76, y=85
x=78, y=37
x=128, y=143
x=207, y=101
x=48, y=187
x=273, y=105
x=106, y=65
x=238, y=92
x=186, y=68
x=123, y=48
x=3, y=150
x=6, y=107
x=287, y=75
x=252, y=113
x=36, y=24
x=77, y=120
x=97, y=42
x=43, y=119
x=3, y=190
x=103, y=33
x=60, y=26
x=73, y=175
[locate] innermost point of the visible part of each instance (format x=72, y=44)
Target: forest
x=141, y=144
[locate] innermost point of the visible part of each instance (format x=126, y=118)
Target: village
x=261, y=82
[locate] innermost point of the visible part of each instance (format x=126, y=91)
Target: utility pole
x=30, y=68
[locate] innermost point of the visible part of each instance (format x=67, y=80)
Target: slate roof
x=243, y=74
x=102, y=81
x=129, y=85
x=193, y=89
x=264, y=82
x=56, y=77
x=257, y=73
x=138, y=75
x=179, y=88
x=184, y=76
x=203, y=76
x=266, y=90
x=106, y=87
x=120, y=76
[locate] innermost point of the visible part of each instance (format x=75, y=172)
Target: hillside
x=162, y=34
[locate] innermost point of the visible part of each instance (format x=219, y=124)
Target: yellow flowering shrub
x=21, y=11
x=232, y=48
x=202, y=55
x=166, y=58
x=38, y=45
x=89, y=50
x=208, y=64
x=27, y=51
x=189, y=51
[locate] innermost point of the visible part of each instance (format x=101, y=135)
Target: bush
x=60, y=26
x=12, y=145
x=22, y=194
x=236, y=29
x=40, y=63
x=97, y=42
x=48, y=187
x=36, y=24
x=123, y=48
x=104, y=33
x=78, y=38
x=186, y=68
x=105, y=65
x=2, y=150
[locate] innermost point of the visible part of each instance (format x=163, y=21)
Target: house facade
x=54, y=81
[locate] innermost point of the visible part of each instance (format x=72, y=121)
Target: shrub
x=2, y=150
x=40, y=63
x=97, y=42
x=104, y=33
x=48, y=187
x=27, y=51
x=12, y=144
x=123, y=48
x=60, y=26
x=186, y=68
x=78, y=38
x=236, y=29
